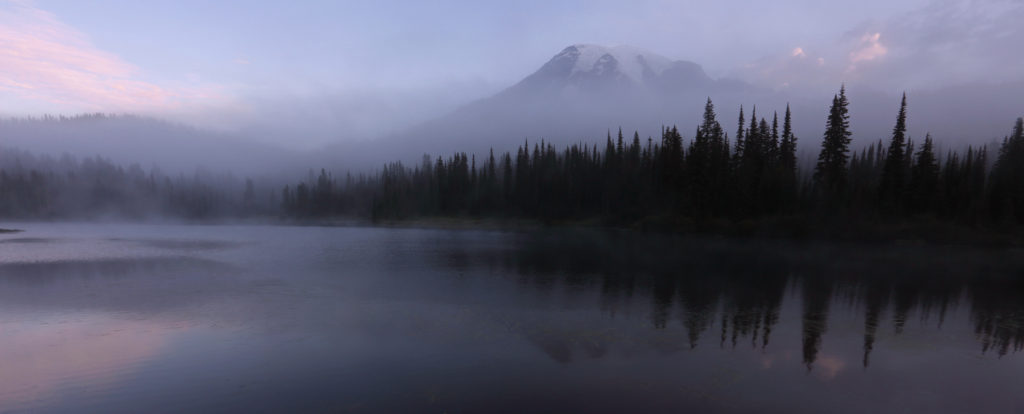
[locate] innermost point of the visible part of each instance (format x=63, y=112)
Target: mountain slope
x=580, y=94
x=598, y=68
x=585, y=91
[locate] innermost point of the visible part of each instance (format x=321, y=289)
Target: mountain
x=593, y=68
x=579, y=95
x=586, y=91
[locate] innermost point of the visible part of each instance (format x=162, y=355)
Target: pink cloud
x=869, y=49
x=46, y=61
x=798, y=67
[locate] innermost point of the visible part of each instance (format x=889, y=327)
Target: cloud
x=799, y=68
x=944, y=43
x=948, y=42
x=871, y=48
x=44, y=61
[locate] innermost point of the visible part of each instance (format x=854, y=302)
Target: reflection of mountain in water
x=741, y=286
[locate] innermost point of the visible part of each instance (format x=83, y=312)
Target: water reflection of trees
x=997, y=311
x=741, y=286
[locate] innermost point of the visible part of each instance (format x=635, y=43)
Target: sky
x=356, y=69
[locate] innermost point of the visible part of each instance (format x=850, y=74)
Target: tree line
x=753, y=176
x=45, y=188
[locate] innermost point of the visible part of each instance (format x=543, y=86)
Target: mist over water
x=265, y=318
x=630, y=207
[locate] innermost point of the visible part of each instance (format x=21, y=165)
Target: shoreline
x=790, y=228
x=924, y=230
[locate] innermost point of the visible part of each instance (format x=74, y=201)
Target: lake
x=188, y=318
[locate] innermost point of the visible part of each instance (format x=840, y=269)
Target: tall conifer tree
x=830, y=172
x=892, y=182
x=787, y=146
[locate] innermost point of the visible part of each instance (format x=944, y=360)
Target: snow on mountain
x=599, y=69
x=584, y=91
x=631, y=61
x=578, y=95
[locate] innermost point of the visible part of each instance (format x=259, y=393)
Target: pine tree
x=924, y=177
x=765, y=146
x=1007, y=188
x=774, y=146
x=787, y=147
x=830, y=173
x=609, y=151
x=738, y=151
x=708, y=163
x=634, y=149
x=892, y=182
x=620, y=146
x=753, y=140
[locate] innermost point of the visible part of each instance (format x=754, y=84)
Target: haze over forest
x=372, y=87
x=595, y=206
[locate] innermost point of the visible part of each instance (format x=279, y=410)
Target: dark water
x=146, y=318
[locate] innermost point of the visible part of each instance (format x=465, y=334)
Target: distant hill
x=131, y=139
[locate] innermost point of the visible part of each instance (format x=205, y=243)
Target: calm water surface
x=165, y=318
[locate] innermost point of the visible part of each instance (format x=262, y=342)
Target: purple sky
x=359, y=63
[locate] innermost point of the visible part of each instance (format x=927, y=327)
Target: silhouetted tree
x=830, y=172
x=1007, y=192
x=891, y=186
x=924, y=178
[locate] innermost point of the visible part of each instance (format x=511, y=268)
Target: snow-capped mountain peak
x=588, y=67
x=630, y=61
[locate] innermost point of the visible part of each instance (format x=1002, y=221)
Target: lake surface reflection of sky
x=167, y=318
